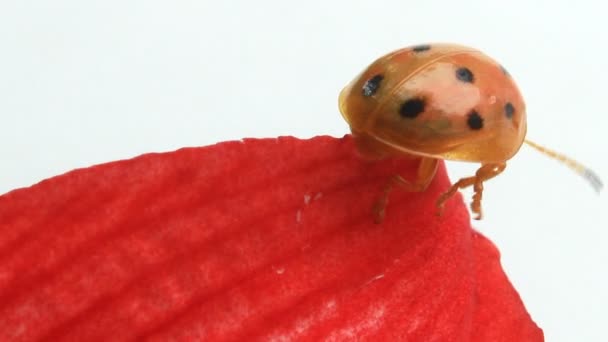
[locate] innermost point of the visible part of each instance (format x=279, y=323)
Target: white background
x=85, y=82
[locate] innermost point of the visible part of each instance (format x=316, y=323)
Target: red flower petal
x=270, y=239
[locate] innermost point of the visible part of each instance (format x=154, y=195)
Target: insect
x=441, y=101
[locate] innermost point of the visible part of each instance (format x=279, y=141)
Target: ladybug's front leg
x=425, y=174
x=485, y=172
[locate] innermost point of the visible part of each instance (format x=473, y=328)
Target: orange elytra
x=441, y=101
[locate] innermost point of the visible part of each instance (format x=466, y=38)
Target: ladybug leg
x=426, y=171
x=460, y=184
x=485, y=172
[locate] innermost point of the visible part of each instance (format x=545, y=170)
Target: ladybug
x=440, y=101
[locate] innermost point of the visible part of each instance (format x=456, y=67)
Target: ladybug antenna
x=579, y=168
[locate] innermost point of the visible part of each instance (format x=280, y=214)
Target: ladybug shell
x=443, y=101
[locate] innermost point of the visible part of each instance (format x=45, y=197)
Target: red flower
x=268, y=239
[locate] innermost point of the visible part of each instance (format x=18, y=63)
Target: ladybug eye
x=412, y=108
x=371, y=86
x=464, y=75
x=509, y=110
x=474, y=120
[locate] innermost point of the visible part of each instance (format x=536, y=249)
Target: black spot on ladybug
x=412, y=108
x=474, y=120
x=371, y=86
x=504, y=71
x=465, y=75
x=509, y=110
x=421, y=48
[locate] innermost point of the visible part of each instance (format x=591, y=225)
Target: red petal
x=270, y=239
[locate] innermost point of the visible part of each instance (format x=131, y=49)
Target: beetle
x=441, y=101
